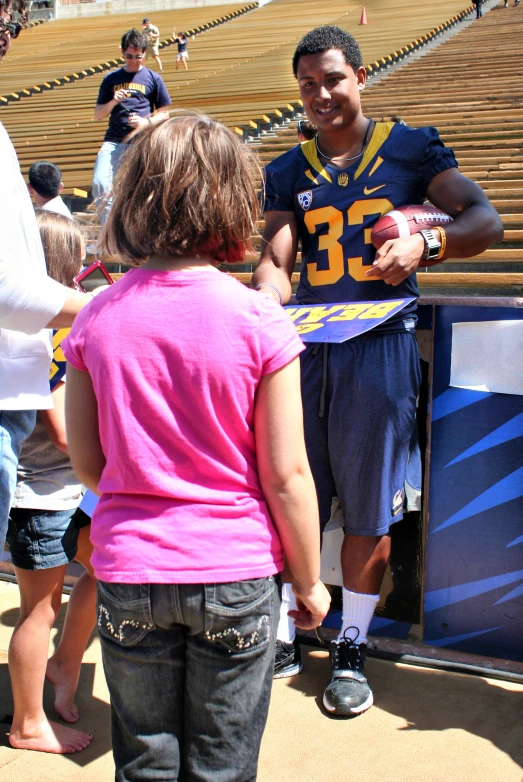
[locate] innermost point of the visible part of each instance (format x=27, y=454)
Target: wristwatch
x=432, y=246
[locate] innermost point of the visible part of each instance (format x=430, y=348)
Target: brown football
x=407, y=220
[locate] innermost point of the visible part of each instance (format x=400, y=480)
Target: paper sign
x=89, y=503
x=58, y=363
x=486, y=356
x=342, y=321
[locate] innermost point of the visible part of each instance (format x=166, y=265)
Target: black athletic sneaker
x=287, y=660
x=348, y=693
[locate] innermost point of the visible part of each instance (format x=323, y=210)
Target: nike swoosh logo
x=371, y=190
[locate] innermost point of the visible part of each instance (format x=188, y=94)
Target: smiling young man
x=359, y=397
x=131, y=97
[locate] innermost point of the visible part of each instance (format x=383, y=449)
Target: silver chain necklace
x=345, y=159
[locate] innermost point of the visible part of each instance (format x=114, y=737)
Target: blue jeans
x=189, y=669
x=15, y=427
x=105, y=167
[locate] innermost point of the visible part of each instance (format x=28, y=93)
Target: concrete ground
x=426, y=726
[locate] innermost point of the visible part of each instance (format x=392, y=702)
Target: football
x=407, y=220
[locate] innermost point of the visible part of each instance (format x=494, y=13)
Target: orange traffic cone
x=363, y=19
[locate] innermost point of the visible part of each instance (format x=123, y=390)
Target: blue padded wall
x=474, y=558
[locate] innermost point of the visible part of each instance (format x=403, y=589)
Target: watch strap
x=432, y=246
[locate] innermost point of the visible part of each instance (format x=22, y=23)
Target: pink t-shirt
x=175, y=359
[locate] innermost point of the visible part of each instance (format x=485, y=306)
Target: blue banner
x=342, y=321
x=474, y=571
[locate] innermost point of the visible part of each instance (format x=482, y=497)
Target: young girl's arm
x=288, y=486
x=81, y=418
x=54, y=420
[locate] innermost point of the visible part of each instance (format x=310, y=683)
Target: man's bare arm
x=476, y=224
x=135, y=121
x=476, y=227
x=102, y=110
x=74, y=302
x=278, y=255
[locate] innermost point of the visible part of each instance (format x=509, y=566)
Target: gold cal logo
x=343, y=180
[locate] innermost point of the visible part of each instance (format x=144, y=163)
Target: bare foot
x=65, y=685
x=50, y=737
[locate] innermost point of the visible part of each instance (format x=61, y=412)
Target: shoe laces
x=283, y=651
x=347, y=654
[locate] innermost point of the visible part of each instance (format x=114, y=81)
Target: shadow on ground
x=95, y=714
x=430, y=700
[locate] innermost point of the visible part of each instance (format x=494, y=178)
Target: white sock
x=358, y=610
x=286, y=627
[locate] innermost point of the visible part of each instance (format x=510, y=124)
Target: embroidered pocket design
x=104, y=618
x=234, y=636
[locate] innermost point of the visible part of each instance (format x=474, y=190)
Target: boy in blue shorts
x=360, y=396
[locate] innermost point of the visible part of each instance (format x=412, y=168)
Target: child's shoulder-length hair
x=63, y=244
x=186, y=187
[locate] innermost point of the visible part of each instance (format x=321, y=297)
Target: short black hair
x=321, y=39
x=135, y=39
x=45, y=178
x=307, y=129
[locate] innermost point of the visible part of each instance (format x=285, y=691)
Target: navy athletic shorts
x=359, y=408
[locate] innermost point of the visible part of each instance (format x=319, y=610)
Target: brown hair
x=63, y=246
x=12, y=6
x=185, y=187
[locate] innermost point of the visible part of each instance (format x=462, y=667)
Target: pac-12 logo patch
x=305, y=199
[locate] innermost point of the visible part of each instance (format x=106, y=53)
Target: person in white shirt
x=45, y=186
x=31, y=303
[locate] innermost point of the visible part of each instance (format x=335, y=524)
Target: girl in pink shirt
x=184, y=414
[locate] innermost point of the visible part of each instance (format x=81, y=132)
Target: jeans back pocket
x=240, y=614
x=124, y=612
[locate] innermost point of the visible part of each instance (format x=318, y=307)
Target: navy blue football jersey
x=337, y=209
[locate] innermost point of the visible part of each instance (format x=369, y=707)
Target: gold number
x=330, y=242
x=380, y=310
x=356, y=213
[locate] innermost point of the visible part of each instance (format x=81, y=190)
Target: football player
x=359, y=396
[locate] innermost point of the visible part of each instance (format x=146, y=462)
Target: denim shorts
x=189, y=669
x=42, y=539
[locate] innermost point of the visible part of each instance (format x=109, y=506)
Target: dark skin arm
x=476, y=227
x=278, y=254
